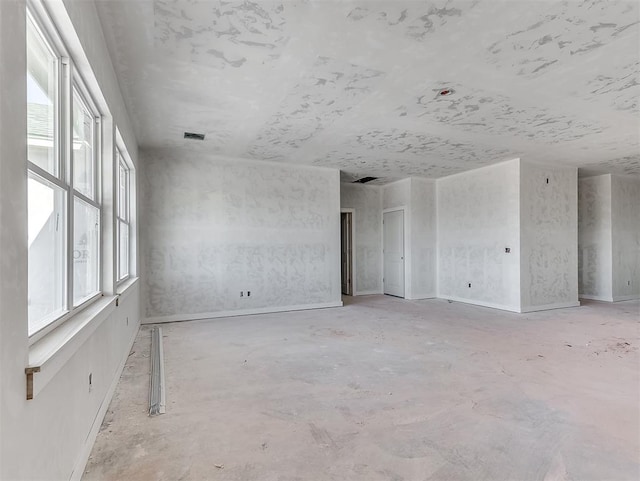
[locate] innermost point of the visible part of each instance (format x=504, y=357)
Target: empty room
x=320, y=240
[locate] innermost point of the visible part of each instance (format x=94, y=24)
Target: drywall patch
x=412, y=20
x=537, y=102
x=220, y=34
x=551, y=281
x=439, y=162
x=627, y=165
x=326, y=93
x=479, y=111
x=621, y=90
x=389, y=152
x=536, y=44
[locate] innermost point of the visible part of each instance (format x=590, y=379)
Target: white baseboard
x=480, y=303
x=421, y=296
x=596, y=298
x=546, y=307
x=239, y=312
x=367, y=293
x=83, y=457
x=559, y=305
x=631, y=297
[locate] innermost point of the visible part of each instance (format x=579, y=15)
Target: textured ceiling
x=355, y=85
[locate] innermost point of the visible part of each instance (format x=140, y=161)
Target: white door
x=393, y=252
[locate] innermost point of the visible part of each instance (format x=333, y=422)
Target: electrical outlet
x=248, y=293
x=469, y=284
x=241, y=293
x=507, y=250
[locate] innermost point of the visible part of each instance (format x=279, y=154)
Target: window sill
x=49, y=354
x=124, y=288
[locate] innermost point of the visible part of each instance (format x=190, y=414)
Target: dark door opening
x=346, y=234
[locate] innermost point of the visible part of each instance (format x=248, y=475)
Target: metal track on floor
x=157, y=400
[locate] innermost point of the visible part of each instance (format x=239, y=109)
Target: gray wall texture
x=594, y=238
x=367, y=204
x=214, y=227
x=609, y=237
x=548, y=236
x=625, y=220
x=478, y=217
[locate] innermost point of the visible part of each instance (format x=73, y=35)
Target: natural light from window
x=123, y=218
x=64, y=209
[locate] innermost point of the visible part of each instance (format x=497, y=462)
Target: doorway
x=346, y=236
x=393, y=252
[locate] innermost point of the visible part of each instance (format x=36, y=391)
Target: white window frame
x=87, y=101
x=68, y=81
x=123, y=161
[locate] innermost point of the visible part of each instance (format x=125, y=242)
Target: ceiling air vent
x=193, y=136
x=364, y=180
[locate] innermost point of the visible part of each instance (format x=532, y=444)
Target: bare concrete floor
x=385, y=389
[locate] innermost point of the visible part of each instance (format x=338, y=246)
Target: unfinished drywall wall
x=366, y=200
x=13, y=238
x=417, y=197
x=625, y=220
x=215, y=228
x=594, y=238
x=609, y=237
x=64, y=417
x=548, y=237
x=423, y=238
x=478, y=219
x=49, y=437
x=396, y=194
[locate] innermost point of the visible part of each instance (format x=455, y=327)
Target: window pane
x=86, y=251
x=123, y=250
x=42, y=85
x=83, y=158
x=122, y=192
x=46, y=220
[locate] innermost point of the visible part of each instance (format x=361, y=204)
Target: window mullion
x=67, y=146
x=86, y=199
x=122, y=215
x=62, y=115
x=97, y=157
x=40, y=172
x=127, y=196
